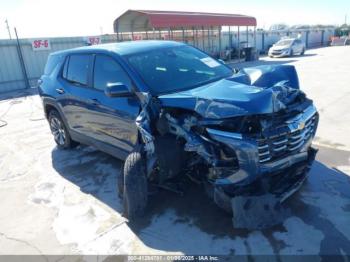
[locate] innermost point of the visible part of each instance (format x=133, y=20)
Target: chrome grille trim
x=280, y=148
x=264, y=154
x=263, y=147
x=295, y=147
x=295, y=139
x=280, y=142
x=265, y=160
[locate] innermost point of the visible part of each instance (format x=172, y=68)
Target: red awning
x=143, y=20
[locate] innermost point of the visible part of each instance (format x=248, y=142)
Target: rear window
x=76, y=69
x=52, y=62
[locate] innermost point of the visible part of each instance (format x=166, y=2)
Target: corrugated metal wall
x=10, y=67
x=11, y=75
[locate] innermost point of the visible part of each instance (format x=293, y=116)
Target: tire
x=120, y=181
x=135, y=191
x=291, y=53
x=60, y=132
x=302, y=52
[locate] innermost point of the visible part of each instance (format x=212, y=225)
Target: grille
x=277, y=52
x=286, y=142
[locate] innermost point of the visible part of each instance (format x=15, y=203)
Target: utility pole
x=8, y=28
x=21, y=60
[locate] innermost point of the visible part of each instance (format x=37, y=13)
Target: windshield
x=284, y=42
x=174, y=69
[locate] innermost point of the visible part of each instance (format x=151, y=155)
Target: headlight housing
x=242, y=124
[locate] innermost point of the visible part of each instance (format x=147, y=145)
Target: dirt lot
x=65, y=202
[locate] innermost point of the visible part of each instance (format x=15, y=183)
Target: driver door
x=112, y=119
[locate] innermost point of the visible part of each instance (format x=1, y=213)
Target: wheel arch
x=48, y=108
x=49, y=105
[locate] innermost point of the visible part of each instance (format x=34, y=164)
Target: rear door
x=74, y=95
x=112, y=120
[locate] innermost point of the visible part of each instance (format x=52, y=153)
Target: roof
x=144, y=20
x=124, y=48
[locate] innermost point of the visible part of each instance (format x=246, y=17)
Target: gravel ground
x=65, y=202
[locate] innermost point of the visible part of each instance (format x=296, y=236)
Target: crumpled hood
x=259, y=90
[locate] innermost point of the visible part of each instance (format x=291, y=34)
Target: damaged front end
x=249, y=134
x=275, y=162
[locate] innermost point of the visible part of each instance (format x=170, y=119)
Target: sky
x=50, y=18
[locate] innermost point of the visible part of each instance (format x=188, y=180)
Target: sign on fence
x=137, y=37
x=93, y=40
x=41, y=44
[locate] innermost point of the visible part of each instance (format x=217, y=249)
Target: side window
x=108, y=71
x=65, y=67
x=52, y=62
x=78, y=68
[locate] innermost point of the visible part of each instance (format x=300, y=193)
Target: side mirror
x=117, y=90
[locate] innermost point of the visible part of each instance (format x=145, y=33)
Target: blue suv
x=168, y=109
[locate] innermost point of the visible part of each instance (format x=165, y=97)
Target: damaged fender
x=143, y=123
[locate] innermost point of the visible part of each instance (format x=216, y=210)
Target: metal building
x=198, y=29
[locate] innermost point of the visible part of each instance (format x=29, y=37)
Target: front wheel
x=291, y=53
x=302, y=52
x=135, y=191
x=120, y=181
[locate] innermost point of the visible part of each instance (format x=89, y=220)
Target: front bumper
x=281, y=184
x=255, y=170
x=279, y=53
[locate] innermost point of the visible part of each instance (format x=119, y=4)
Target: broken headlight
x=242, y=124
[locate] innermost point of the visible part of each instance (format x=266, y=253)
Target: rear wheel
x=135, y=191
x=59, y=131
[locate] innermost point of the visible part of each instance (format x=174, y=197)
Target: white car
x=287, y=47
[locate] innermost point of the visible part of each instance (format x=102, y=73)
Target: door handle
x=95, y=101
x=60, y=90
